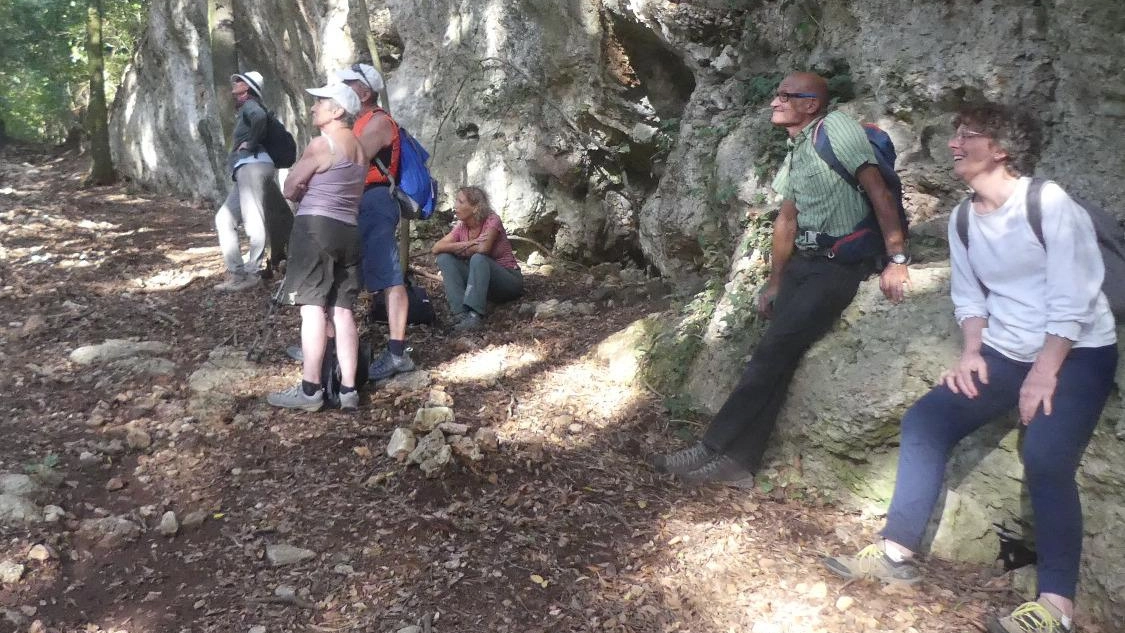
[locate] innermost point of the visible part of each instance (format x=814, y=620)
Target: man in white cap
x=254, y=174
x=322, y=275
x=378, y=217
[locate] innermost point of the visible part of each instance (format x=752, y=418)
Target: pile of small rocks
x=435, y=436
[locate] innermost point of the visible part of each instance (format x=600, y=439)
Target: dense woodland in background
x=45, y=63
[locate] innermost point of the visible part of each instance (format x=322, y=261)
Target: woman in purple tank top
x=322, y=274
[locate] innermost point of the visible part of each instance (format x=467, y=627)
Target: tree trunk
x=224, y=61
x=97, y=116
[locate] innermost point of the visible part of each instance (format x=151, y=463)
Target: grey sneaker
x=388, y=365
x=294, y=352
x=295, y=398
x=720, y=470
x=469, y=321
x=683, y=462
x=349, y=401
x=871, y=562
x=1031, y=617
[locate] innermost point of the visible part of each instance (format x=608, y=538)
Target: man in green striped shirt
x=807, y=289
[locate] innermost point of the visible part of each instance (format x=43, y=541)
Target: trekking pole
x=257, y=350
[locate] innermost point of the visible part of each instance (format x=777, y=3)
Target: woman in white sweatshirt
x=1038, y=337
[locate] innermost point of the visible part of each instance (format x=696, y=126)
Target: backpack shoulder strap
x=1035, y=208
x=962, y=220
x=823, y=146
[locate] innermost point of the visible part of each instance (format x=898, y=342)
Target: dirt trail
x=562, y=529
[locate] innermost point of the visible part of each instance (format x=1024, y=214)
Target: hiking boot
x=1031, y=617
x=388, y=365
x=236, y=282
x=247, y=281
x=229, y=281
x=295, y=398
x=349, y=401
x=683, y=462
x=872, y=562
x=720, y=470
x=469, y=321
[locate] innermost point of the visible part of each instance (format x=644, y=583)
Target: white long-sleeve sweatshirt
x=1031, y=293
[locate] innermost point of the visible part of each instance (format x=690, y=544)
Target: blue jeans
x=378, y=219
x=1051, y=451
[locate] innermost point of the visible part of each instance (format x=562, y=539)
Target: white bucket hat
x=253, y=79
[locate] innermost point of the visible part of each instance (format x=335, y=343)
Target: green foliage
x=44, y=83
x=772, y=153
x=761, y=88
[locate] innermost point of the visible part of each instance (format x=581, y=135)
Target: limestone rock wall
x=903, y=65
x=520, y=98
x=166, y=124
x=164, y=128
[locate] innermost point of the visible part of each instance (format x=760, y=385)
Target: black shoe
x=683, y=462
x=720, y=470
x=468, y=322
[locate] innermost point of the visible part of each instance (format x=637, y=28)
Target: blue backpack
x=416, y=191
x=866, y=240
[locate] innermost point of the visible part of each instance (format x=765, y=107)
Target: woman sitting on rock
x=1039, y=338
x=476, y=260
x=322, y=275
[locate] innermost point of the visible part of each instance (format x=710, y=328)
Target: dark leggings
x=1052, y=449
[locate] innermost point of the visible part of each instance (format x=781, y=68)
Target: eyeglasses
x=961, y=134
x=784, y=97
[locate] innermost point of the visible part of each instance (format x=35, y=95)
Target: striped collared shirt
x=825, y=203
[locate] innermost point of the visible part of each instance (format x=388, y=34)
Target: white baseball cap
x=339, y=93
x=362, y=72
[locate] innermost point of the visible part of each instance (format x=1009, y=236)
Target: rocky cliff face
x=167, y=122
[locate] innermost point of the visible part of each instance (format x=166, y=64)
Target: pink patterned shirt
x=501, y=248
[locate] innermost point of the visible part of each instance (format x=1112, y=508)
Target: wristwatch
x=899, y=258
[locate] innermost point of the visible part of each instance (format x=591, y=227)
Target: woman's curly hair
x=479, y=199
x=1013, y=129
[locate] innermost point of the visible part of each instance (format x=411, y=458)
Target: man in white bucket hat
x=254, y=174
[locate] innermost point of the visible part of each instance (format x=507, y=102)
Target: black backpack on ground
x=420, y=311
x=279, y=143
x=330, y=371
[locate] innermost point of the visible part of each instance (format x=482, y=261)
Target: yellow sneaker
x=1032, y=617
x=872, y=562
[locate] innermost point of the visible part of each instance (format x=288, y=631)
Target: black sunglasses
x=784, y=97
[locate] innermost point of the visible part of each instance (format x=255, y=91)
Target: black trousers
x=814, y=291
